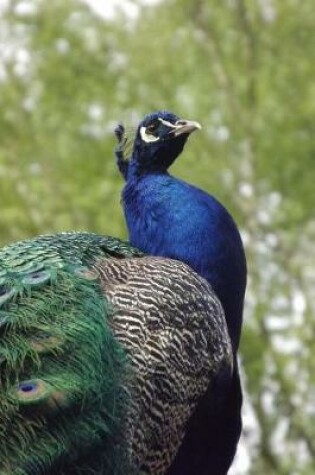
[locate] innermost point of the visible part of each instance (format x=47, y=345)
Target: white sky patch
x=272, y=239
x=107, y=9
x=277, y=323
x=23, y=60
x=268, y=10
x=287, y=345
x=12, y=46
x=28, y=7
x=95, y=112
x=268, y=402
x=299, y=302
x=278, y=438
x=221, y=133
x=246, y=190
x=3, y=5
x=62, y=46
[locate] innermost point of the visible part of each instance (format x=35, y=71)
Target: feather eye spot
x=6, y=294
x=37, y=397
x=37, y=278
x=33, y=391
x=3, y=290
x=27, y=387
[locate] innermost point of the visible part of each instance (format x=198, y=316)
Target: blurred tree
x=245, y=69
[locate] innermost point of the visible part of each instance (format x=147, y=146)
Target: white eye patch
x=167, y=123
x=147, y=137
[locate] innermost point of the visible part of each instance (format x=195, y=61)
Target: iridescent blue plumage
x=168, y=217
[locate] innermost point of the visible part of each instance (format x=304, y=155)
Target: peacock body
x=168, y=217
x=104, y=355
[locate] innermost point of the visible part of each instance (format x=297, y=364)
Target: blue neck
x=168, y=217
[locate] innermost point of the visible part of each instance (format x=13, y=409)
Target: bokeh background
x=245, y=69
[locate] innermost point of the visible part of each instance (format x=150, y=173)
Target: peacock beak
x=185, y=127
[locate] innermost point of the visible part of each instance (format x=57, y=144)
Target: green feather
x=61, y=369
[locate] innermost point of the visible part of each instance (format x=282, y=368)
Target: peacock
x=168, y=217
x=105, y=354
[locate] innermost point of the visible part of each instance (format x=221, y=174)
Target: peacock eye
x=152, y=127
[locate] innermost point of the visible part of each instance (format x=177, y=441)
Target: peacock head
x=159, y=139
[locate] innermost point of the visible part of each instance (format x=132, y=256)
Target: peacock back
x=104, y=353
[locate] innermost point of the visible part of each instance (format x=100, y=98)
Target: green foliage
x=246, y=71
